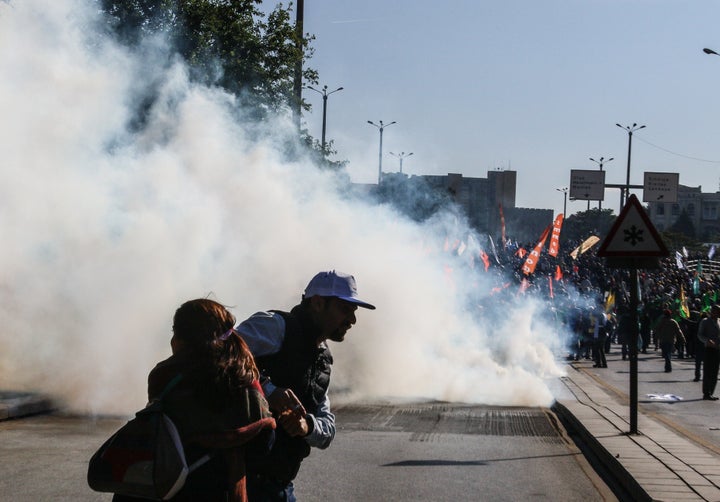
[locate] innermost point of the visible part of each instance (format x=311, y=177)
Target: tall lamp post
x=710, y=51
x=401, y=156
x=381, y=127
x=325, y=95
x=564, y=190
x=600, y=163
x=624, y=194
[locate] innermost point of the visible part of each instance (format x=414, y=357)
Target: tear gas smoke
x=106, y=230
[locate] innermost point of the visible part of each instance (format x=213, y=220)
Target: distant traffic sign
x=632, y=235
x=660, y=187
x=587, y=185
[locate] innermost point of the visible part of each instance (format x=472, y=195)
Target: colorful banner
x=586, y=244
x=683, y=308
x=554, y=246
x=610, y=302
x=534, y=256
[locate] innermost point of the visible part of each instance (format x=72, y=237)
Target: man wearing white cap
x=291, y=352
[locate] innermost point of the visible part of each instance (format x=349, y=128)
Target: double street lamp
x=625, y=194
x=401, y=156
x=324, y=92
x=564, y=190
x=600, y=163
x=381, y=127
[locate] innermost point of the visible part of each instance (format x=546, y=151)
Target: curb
x=19, y=404
x=614, y=472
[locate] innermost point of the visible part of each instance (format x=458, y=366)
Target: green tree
x=683, y=225
x=581, y=225
x=228, y=43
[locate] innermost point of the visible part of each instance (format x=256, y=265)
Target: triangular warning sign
x=632, y=234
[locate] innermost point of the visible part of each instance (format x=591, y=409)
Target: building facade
x=481, y=200
x=703, y=210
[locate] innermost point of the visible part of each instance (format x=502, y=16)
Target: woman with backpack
x=217, y=404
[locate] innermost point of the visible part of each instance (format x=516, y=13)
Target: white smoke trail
x=106, y=232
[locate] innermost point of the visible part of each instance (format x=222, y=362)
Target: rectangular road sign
x=660, y=187
x=587, y=185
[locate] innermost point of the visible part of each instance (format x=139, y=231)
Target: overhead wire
x=675, y=153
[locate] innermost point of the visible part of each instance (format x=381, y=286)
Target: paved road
x=432, y=452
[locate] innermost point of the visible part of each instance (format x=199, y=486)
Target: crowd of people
x=677, y=310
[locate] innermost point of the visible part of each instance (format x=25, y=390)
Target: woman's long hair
x=224, y=362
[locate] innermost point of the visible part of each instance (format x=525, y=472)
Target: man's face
x=335, y=317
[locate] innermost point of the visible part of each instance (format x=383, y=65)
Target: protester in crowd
x=668, y=333
x=217, y=405
x=645, y=329
x=294, y=359
x=699, y=351
x=599, y=335
x=709, y=335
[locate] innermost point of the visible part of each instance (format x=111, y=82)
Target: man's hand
x=294, y=422
x=282, y=400
x=289, y=411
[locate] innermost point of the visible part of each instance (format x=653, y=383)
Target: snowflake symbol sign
x=634, y=235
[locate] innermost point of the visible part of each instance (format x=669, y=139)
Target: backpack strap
x=169, y=387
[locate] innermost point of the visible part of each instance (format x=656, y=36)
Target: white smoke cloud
x=105, y=232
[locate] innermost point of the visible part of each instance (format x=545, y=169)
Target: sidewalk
x=675, y=455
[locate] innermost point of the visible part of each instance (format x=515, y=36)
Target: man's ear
x=317, y=303
x=176, y=345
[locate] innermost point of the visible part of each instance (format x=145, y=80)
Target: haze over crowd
x=108, y=229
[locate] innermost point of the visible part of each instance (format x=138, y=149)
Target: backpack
x=144, y=458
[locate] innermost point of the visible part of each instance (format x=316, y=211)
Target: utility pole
x=600, y=163
x=297, y=83
x=325, y=95
x=401, y=156
x=624, y=194
x=381, y=128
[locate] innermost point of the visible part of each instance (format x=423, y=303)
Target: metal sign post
x=633, y=243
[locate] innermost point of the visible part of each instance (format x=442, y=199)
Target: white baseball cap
x=335, y=284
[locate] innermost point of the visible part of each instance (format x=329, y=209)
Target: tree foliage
x=583, y=224
x=228, y=43
x=683, y=225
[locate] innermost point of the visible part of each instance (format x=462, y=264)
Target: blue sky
x=533, y=86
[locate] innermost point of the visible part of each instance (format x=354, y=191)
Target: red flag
x=558, y=274
x=534, y=256
x=521, y=252
x=502, y=225
x=485, y=259
x=554, y=245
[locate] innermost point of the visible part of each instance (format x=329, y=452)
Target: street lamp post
x=325, y=95
x=381, y=127
x=600, y=163
x=564, y=190
x=710, y=51
x=624, y=194
x=401, y=156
